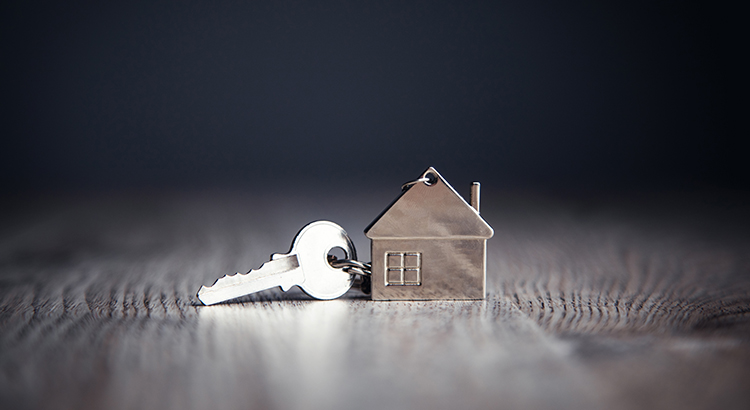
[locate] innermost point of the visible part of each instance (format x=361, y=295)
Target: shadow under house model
x=429, y=244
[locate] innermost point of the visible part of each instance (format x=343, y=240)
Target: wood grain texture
x=590, y=305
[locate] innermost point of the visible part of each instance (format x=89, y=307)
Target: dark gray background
x=590, y=96
x=617, y=301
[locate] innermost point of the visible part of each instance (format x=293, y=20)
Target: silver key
x=306, y=265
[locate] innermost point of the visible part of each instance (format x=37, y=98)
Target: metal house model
x=429, y=244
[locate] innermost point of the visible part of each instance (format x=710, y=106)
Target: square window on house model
x=403, y=269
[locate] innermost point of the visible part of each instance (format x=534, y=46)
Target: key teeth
x=226, y=278
x=229, y=278
x=231, y=286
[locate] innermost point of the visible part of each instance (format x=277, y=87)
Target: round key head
x=312, y=244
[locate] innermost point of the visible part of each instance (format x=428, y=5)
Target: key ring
x=352, y=266
x=429, y=178
x=416, y=181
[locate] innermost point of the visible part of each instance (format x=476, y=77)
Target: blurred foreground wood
x=590, y=305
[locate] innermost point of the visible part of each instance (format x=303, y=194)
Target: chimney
x=475, y=196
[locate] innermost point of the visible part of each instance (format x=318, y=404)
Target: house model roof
x=429, y=210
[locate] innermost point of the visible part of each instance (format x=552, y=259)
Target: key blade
x=283, y=271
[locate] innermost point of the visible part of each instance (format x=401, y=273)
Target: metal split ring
x=352, y=266
x=428, y=178
x=416, y=181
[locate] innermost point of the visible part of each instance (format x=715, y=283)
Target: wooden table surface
x=592, y=304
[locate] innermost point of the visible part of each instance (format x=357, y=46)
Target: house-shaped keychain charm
x=429, y=244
